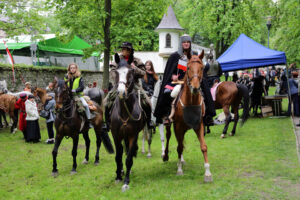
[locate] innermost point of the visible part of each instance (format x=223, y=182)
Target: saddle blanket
x=213, y=90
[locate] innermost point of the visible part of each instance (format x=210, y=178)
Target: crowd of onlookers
x=258, y=82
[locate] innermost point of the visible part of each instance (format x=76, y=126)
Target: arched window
x=168, y=41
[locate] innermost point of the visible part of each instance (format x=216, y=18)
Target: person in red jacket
x=20, y=104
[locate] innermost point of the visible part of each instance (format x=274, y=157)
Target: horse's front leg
x=227, y=120
x=162, y=139
x=149, y=139
x=74, y=153
x=118, y=159
x=14, y=116
x=168, y=135
x=179, y=133
x=87, y=147
x=203, y=146
x=98, y=144
x=58, y=140
x=129, y=161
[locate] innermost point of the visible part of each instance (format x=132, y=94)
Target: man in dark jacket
x=212, y=70
x=174, y=73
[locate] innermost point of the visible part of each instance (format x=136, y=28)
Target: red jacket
x=20, y=104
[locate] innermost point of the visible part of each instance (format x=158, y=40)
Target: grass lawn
x=259, y=162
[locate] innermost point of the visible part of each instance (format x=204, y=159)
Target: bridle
x=194, y=76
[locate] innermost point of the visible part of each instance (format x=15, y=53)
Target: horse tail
x=243, y=90
x=107, y=142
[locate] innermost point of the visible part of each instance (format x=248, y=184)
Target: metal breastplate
x=213, y=69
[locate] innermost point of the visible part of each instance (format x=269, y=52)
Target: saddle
x=214, y=89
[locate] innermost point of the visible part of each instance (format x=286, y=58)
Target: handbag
x=45, y=114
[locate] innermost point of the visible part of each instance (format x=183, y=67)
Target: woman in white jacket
x=32, y=119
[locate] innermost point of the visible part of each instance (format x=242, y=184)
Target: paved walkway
x=296, y=120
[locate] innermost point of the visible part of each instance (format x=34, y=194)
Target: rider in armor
x=139, y=70
x=75, y=82
x=212, y=70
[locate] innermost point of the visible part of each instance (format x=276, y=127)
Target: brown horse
x=127, y=118
x=69, y=123
x=7, y=105
x=231, y=94
x=189, y=113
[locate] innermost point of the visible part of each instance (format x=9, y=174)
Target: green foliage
x=287, y=30
x=132, y=21
x=22, y=17
x=221, y=22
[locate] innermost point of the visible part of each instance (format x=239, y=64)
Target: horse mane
x=61, y=83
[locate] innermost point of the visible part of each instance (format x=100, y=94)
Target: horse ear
x=130, y=59
x=117, y=58
x=201, y=54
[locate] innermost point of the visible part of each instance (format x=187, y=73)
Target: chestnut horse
x=69, y=123
x=189, y=113
x=7, y=105
x=231, y=94
x=127, y=118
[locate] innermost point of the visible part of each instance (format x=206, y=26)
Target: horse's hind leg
x=227, y=121
x=87, y=147
x=98, y=144
x=74, y=153
x=236, y=119
x=143, y=140
x=14, y=115
x=168, y=135
x=54, y=154
x=203, y=146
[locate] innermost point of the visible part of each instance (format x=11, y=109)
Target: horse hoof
x=143, y=152
x=179, y=173
x=231, y=134
x=165, y=158
x=125, y=187
x=85, y=162
x=149, y=155
x=96, y=163
x=117, y=181
x=208, y=179
x=223, y=136
x=54, y=174
x=73, y=172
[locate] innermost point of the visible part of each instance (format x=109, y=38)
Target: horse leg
x=1, y=114
x=98, y=144
x=54, y=154
x=168, y=135
x=4, y=118
x=118, y=159
x=208, y=130
x=227, y=121
x=149, y=140
x=74, y=153
x=203, y=146
x=129, y=161
x=236, y=119
x=143, y=140
x=179, y=133
x=162, y=139
x=87, y=147
x=14, y=115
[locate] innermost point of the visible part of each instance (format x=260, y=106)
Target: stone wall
x=41, y=76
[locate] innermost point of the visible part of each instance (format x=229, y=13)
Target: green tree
x=131, y=20
x=286, y=31
x=22, y=17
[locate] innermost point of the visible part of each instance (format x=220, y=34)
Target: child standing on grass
x=50, y=105
x=32, y=120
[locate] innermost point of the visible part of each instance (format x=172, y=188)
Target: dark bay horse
x=189, y=113
x=69, y=123
x=127, y=118
x=230, y=94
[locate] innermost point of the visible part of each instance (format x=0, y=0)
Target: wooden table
x=276, y=102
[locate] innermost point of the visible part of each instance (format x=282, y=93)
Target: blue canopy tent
x=245, y=53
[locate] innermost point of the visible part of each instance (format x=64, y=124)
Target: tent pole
x=289, y=95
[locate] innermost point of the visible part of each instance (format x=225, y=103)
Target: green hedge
x=36, y=68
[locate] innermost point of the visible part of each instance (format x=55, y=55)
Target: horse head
x=62, y=93
x=195, y=73
x=124, y=76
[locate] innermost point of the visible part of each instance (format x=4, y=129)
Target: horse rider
x=139, y=71
x=172, y=74
x=75, y=82
x=212, y=70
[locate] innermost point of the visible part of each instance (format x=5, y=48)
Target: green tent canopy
x=50, y=45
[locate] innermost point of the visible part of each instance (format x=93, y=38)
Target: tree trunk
x=105, y=82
